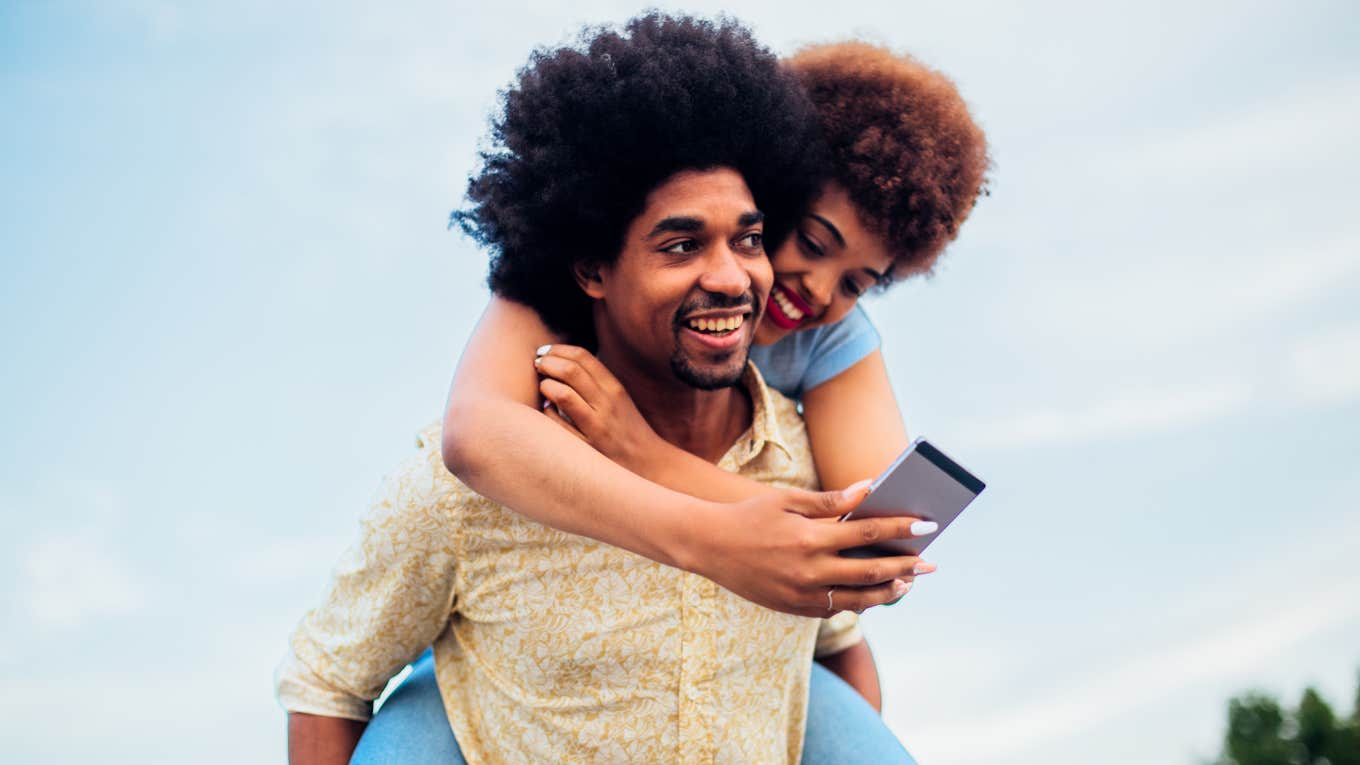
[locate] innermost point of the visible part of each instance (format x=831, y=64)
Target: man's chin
x=708, y=376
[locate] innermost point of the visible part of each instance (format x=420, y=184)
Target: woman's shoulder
x=803, y=360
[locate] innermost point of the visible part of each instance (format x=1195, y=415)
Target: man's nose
x=725, y=273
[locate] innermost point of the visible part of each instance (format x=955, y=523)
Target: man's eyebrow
x=676, y=224
x=835, y=232
x=750, y=218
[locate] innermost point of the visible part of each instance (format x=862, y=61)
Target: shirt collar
x=764, y=428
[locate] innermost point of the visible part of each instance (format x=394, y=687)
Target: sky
x=230, y=300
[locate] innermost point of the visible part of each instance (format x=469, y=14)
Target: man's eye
x=682, y=247
x=754, y=240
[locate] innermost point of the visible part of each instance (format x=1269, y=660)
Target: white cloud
x=72, y=579
x=165, y=22
x=1117, y=309
x=286, y=559
x=1313, y=123
x=1133, y=413
x=1325, y=368
x=1225, y=653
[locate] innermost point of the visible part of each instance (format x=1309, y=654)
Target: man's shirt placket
x=698, y=670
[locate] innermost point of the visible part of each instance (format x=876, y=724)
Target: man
x=636, y=230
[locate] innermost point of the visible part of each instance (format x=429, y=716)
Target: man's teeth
x=790, y=310
x=726, y=324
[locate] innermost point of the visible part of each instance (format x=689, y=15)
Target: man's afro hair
x=587, y=131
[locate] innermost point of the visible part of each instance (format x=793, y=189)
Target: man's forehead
x=692, y=199
x=693, y=224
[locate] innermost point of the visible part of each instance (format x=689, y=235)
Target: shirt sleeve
x=390, y=596
x=838, y=633
x=839, y=347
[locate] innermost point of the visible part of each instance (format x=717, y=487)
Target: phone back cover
x=917, y=487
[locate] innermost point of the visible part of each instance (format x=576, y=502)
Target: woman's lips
x=786, y=309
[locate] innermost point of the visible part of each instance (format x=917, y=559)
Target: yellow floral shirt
x=551, y=647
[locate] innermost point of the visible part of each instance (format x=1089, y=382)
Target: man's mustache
x=717, y=302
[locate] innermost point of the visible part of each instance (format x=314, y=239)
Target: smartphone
x=923, y=483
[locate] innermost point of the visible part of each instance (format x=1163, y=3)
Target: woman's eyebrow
x=676, y=224
x=835, y=232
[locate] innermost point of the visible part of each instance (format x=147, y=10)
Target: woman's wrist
x=690, y=526
x=652, y=459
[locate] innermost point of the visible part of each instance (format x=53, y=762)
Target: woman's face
x=822, y=268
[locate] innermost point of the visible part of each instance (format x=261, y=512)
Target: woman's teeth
x=726, y=324
x=789, y=309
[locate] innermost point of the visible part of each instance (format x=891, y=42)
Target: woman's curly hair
x=586, y=132
x=902, y=143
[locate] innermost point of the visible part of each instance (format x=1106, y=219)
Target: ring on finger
x=830, y=604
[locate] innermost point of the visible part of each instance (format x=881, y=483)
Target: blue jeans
x=411, y=726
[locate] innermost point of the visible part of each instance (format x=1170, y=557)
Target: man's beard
x=713, y=379
x=707, y=379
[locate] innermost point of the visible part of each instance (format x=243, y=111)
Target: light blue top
x=803, y=360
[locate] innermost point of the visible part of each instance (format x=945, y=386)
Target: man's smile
x=718, y=329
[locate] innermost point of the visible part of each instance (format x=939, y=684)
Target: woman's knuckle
x=870, y=532
x=827, y=501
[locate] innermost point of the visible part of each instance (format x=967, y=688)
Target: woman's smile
x=786, y=308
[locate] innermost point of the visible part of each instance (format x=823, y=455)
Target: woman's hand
x=596, y=407
x=782, y=550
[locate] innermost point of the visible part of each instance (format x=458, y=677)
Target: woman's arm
x=854, y=424
x=767, y=548
x=498, y=443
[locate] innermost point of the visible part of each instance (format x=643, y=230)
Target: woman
x=905, y=165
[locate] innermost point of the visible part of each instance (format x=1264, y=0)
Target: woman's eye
x=810, y=246
x=853, y=288
x=682, y=247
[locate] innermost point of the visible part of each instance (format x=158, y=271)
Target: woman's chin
x=768, y=333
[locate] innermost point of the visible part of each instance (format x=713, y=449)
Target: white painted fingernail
x=921, y=528
x=900, y=588
x=856, y=488
x=543, y=350
x=923, y=568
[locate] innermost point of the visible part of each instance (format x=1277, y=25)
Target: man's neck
x=704, y=423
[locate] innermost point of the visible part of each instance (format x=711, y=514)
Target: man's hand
x=782, y=550
x=317, y=740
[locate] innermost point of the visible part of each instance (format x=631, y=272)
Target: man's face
x=686, y=292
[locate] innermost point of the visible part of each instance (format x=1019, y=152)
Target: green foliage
x=1260, y=732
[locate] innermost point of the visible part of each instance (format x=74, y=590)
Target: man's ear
x=588, y=278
